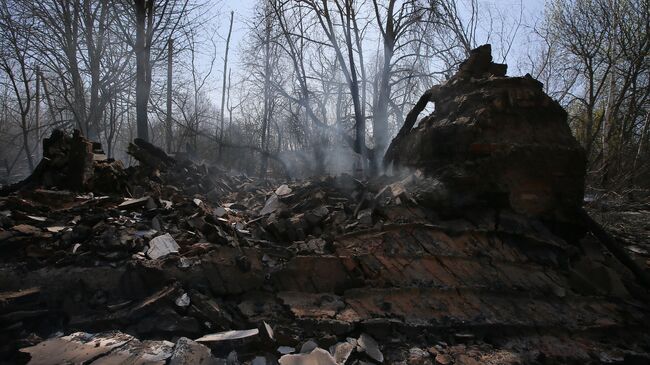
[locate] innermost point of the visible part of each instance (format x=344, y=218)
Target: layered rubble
x=191, y=265
x=496, y=139
x=73, y=162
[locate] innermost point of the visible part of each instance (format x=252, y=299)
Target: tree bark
x=380, y=113
x=168, y=121
x=144, y=21
x=267, y=91
x=223, y=87
x=37, y=105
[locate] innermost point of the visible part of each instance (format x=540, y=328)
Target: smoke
x=331, y=160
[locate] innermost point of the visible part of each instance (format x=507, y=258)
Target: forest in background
x=320, y=86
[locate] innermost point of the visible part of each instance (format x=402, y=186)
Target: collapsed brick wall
x=497, y=138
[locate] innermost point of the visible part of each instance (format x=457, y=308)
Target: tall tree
x=223, y=86
x=15, y=63
x=143, y=35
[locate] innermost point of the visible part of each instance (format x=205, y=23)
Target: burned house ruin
x=474, y=252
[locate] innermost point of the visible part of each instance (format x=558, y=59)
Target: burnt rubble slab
x=497, y=139
x=186, y=264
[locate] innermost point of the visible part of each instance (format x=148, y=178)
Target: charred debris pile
x=479, y=254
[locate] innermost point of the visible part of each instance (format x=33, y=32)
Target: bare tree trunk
x=71, y=36
x=28, y=152
x=144, y=23
x=608, y=124
x=37, y=106
x=642, y=140
x=359, y=117
x=94, y=44
x=380, y=112
x=223, y=87
x=267, y=91
x=228, y=101
x=168, y=121
x=230, y=108
x=50, y=105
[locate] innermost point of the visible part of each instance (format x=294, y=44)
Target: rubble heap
x=190, y=265
x=73, y=162
x=497, y=139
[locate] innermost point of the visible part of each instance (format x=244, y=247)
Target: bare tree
x=223, y=87
x=15, y=62
x=607, y=44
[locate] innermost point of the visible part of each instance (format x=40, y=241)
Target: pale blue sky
x=244, y=10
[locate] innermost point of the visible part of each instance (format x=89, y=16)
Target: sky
x=244, y=10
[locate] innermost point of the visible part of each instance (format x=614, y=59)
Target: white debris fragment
x=228, y=335
x=162, y=246
x=133, y=202
x=269, y=331
x=283, y=190
x=183, y=300
x=38, y=219
x=317, y=357
x=55, y=229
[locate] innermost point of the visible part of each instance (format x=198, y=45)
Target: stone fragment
x=219, y=211
x=162, y=246
x=308, y=346
x=317, y=356
x=284, y=350
x=342, y=351
x=26, y=229
x=188, y=352
x=443, y=359
x=76, y=348
x=367, y=344
x=418, y=356
x=271, y=205
x=183, y=300
x=211, y=311
x=138, y=353
x=283, y=190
